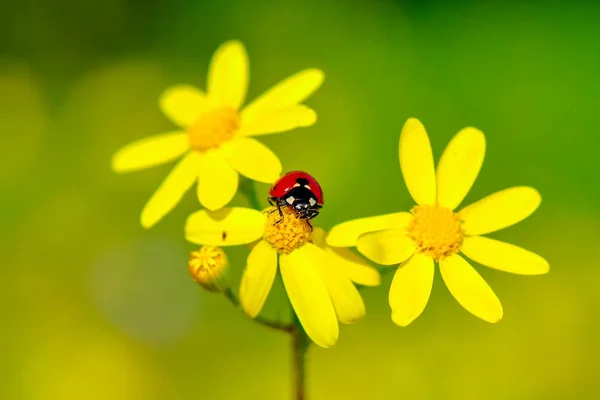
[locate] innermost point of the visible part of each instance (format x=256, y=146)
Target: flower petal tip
x=115, y=164
x=146, y=221
x=360, y=314
x=252, y=313
x=317, y=75
x=543, y=267
x=538, y=195
x=213, y=205
x=533, y=192
x=270, y=179
x=374, y=282
x=232, y=42
x=494, y=319
x=535, y=195
x=327, y=343
x=308, y=118
x=231, y=46
x=401, y=320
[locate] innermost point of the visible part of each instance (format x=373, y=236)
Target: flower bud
x=209, y=267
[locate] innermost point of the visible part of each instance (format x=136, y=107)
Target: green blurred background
x=95, y=307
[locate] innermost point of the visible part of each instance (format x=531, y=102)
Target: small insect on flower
x=299, y=191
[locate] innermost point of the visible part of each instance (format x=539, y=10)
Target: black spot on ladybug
x=223, y=235
x=302, y=181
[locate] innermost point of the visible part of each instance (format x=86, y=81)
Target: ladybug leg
x=309, y=224
x=280, y=214
x=273, y=201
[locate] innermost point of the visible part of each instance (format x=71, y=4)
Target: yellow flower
x=434, y=232
x=215, y=140
x=210, y=268
x=319, y=289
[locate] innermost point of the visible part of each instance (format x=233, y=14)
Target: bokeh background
x=95, y=307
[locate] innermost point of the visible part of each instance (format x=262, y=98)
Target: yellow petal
x=217, y=181
x=469, y=289
x=503, y=256
x=387, y=247
x=225, y=227
x=356, y=268
x=276, y=120
x=416, y=162
x=171, y=190
x=499, y=210
x=228, y=75
x=151, y=151
x=258, y=277
x=347, y=302
x=346, y=233
x=252, y=159
x=183, y=104
x=459, y=166
x=309, y=297
x=350, y=264
x=289, y=92
x=411, y=289
x=318, y=237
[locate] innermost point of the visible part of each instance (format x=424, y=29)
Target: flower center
x=209, y=267
x=213, y=128
x=288, y=233
x=437, y=231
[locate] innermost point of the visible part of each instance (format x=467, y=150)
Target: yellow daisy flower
x=434, y=232
x=215, y=141
x=319, y=289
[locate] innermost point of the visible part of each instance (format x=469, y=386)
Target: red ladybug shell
x=290, y=181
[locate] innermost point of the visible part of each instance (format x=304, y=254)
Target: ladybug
x=299, y=190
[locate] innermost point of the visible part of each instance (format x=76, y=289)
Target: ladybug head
x=303, y=201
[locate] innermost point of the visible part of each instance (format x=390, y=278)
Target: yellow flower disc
x=213, y=128
x=285, y=233
x=436, y=230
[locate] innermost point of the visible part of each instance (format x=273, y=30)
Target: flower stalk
x=263, y=321
x=300, y=345
x=246, y=186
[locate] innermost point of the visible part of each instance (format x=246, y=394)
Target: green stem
x=265, y=322
x=247, y=188
x=300, y=345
